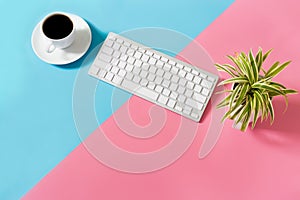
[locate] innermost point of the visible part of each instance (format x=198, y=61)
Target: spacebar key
x=141, y=91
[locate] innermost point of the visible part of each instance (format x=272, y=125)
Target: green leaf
x=289, y=91
x=234, y=95
x=233, y=60
x=275, y=69
x=258, y=59
x=278, y=85
x=227, y=115
x=238, y=64
x=253, y=66
x=245, y=110
x=261, y=100
x=225, y=69
x=224, y=102
x=271, y=109
x=248, y=71
x=267, y=54
x=256, y=106
x=246, y=119
x=235, y=112
x=267, y=87
x=242, y=96
x=234, y=80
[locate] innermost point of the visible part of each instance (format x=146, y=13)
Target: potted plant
x=252, y=91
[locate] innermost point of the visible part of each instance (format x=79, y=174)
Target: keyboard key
x=122, y=73
x=195, y=72
x=206, y=84
x=190, y=85
x=179, y=106
x=186, y=110
x=171, y=103
x=136, y=70
x=211, y=79
x=156, y=56
x=138, y=63
x=166, y=83
x=105, y=58
x=122, y=64
x=136, y=79
x=162, y=99
x=109, y=76
x=197, y=79
x=173, y=86
x=151, y=77
x=145, y=58
x=147, y=92
x=117, y=79
x=130, y=60
x=197, y=88
x=102, y=73
x=109, y=43
x=199, y=97
x=194, y=104
x=160, y=72
x=174, y=95
x=167, y=67
x=144, y=82
x=182, y=82
x=158, y=80
x=116, y=54
x=151, y=85
x=107, y=50
x=181, y=90
x=180, y=66
x=181, y=98
x=175, y=79
x=205, y=92
x=159, y=63
x=152, y=61
x=174, y=70
x=149, y=53
x=94, y=70
x=116, y=46
x=166, y=92
x=188, y=93
x=144, y=74
x=137, y=55
x=145, y=66
x=129, y=75
x=152, y=69
x=158, y=88
x=203, y=75
x=123, y=49
x=114, y=70
x=164, y=59
x=189, y=76
x=129, y=67
x=182, y=73
x=171, y=62
x=167, y=75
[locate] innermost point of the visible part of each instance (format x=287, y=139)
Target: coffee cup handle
x=50, y=48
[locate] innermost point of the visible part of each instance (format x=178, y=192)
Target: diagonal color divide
x=263, y=165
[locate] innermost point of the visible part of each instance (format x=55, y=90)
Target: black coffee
x=57, y=26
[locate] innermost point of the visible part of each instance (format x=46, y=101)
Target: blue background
x=36, y=121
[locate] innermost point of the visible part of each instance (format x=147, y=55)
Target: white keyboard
x=154, y=76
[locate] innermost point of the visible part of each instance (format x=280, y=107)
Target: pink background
x=259, y=164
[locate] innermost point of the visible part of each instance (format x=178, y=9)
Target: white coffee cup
x=58, y=30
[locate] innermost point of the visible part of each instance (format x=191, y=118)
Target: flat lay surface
x=46, y=153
